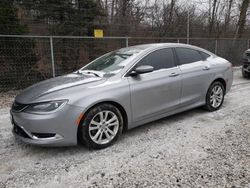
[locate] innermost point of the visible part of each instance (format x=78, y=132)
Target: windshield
x=111, y=63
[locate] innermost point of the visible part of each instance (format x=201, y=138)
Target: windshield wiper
x=88, y=72
x=97, y=75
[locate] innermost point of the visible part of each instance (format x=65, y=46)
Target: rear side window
x=159, y=59
x=205, y=55
x=186, y=55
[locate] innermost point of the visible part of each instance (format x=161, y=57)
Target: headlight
x=45, y=107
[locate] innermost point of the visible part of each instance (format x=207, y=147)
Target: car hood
x=55, y=84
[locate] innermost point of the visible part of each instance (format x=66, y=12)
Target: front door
x=157, y=92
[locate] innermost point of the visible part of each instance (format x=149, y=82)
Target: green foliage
x=8, y=19
x=16, y=54
x=63, y=17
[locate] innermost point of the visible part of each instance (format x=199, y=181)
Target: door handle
x=206, y=68
x=174, y=74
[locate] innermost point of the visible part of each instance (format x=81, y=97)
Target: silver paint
x=144, y=98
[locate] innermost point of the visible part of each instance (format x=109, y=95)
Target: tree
x=242, y=18
x=228, y=14
x=9, y=23
x=14, y=61
x=64, y=17
x=213, y=12
x=67, y=17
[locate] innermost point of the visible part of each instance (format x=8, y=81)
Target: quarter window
x=186, y=55
x=205, y=55
x=159, y=59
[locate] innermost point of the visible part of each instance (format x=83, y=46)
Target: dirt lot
x=192, y=149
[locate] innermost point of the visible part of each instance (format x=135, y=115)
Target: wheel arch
x=207, y=105
x=221, y=80
x=116, y=104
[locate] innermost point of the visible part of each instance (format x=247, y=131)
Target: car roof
x=173, y=45
x=156, y=45
x=151, y=45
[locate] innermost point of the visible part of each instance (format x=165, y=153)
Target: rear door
x=196, y=75
x=156, y=92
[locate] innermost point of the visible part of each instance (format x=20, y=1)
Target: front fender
x=117, y=92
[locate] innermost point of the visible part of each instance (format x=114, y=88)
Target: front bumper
x=55, y=129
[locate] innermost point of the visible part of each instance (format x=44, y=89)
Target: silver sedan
x=118, y=91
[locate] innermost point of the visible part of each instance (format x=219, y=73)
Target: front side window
x=186, y=55
x=159, y=59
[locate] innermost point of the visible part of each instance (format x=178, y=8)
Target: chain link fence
x=26, y=60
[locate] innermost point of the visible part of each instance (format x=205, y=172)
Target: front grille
x=18, y=107
x=19, y=131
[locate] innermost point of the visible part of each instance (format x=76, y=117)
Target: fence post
x=52, y=56
x=126, y=41
x=188, y=26
x=216, y=46
x=178, y=40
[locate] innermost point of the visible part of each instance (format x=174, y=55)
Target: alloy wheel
x=103, y=127
x=216, y=96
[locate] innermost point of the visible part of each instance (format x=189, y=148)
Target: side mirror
x=141, y=70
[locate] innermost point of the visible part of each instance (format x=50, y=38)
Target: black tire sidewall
x=208, y=103
x=84, y=134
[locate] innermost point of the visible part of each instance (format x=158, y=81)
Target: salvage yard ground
x=192, y=149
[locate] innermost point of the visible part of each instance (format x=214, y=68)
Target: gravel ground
x=7, y=98
x=192, y=149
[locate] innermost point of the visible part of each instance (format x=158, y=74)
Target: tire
x=245, y=74
x=214, y=101
x=101, y=127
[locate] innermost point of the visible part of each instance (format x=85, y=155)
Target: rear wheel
x=215, y=96
x=102, y=125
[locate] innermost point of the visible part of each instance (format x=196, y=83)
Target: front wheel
x=215, y=96
x=102, y=125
